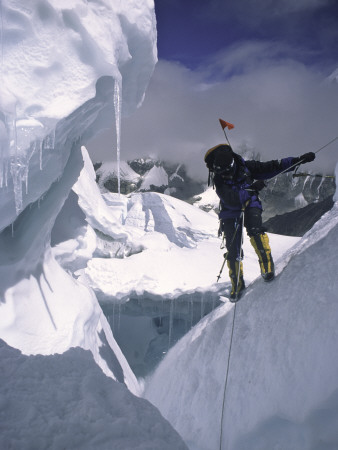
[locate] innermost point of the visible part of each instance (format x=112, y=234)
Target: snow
x=156, y=176
x=65, y=383
x=109, y=170
x=162, y=234
x=62, y=91
x=179, y=240
x=65, y=401
x=64, y=380
x=335, y=197
x=282, y=387
x=207, y=200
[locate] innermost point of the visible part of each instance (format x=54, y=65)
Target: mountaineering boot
x=236, y=291
x=260, y=243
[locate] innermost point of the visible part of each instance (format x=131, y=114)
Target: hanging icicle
x=118, y=111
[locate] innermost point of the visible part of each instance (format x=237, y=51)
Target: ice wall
x=335, y=197
x=52, y=55
x=59, y=60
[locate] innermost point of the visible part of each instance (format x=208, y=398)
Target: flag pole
x=225, y=125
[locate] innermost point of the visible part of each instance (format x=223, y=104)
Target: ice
x=335, y=197
x=65, y=401
x=118, y=112
x=62, y=245
x=69, y=59
x=282, y=386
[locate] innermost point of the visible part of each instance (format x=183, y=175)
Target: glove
x=307, y=157
x=258, y=185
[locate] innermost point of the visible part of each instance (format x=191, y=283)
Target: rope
x=226, y=378
x=232, y=332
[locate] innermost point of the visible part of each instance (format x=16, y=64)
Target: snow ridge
x=282, y=385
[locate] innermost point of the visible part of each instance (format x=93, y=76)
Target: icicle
x=119, y=317
x=39, y=144
x=15, y=164
x=49, y=141
x=2, y=168
x=1, y=41
x=113, y=317
x=118, y=111
x=6, y=173
x=191, y=312
x=171, y=320
x=202, y=306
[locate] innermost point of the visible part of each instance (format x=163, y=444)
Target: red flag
x=225, y=124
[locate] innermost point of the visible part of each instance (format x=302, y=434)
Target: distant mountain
x=289, y=192
x=297, y=223
x=147, y=174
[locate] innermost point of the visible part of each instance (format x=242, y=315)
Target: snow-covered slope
x=65, y=402
x=282, y=389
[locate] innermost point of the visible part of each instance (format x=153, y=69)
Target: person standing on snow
x=237, y=184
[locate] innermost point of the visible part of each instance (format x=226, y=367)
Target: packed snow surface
x=66, y=402
x=282, y=388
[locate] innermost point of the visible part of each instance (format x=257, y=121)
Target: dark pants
x=232, y=229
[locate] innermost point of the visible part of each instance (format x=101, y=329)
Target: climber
x=237, y=184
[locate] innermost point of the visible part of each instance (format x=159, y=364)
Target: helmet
x=224, y=164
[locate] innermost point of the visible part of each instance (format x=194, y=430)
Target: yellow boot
x=236, y=291
x=260, y=243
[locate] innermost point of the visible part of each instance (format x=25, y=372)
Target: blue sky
x=263, y=68
x=189, y=31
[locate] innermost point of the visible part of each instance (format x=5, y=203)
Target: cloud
x=257, y=11
x=280, y=108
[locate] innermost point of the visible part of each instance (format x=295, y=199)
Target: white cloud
x=279, y=107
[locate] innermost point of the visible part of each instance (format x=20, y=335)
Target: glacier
x=66, y=382
x=282, y=386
